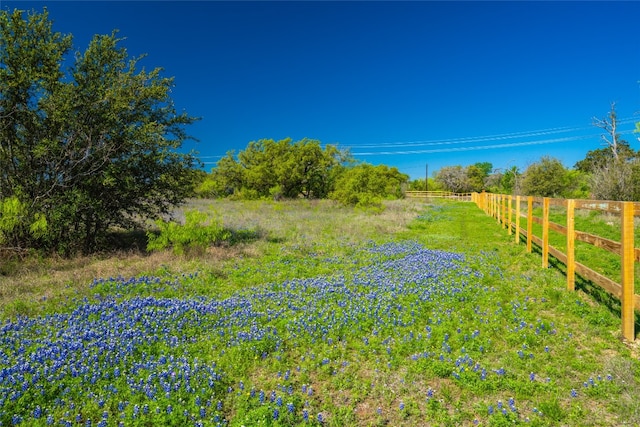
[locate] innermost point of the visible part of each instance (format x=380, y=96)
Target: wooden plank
x=571, y=238
x=556, y=202
x=606, y=206
x=628, y=286
x=599, y=205
x=599, y=242
x=537, y=240
x=556, y=253
x=545, y=233
x=558, y=228
x=604, y=282
x=607, y=284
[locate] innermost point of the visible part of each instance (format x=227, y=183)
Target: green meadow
x=311, y=313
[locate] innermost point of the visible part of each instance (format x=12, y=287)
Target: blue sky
x=404, y=84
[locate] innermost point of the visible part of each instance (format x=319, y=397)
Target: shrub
x=197, y=233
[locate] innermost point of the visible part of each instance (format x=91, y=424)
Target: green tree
x=419, y=185
x=509, y=180
x=87, y=148
x=546, y=178
x=365, y=184
x=476, y=177
x=485, y=167
x=268, y=168
x=602, y=157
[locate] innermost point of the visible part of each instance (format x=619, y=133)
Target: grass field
x=425, y=314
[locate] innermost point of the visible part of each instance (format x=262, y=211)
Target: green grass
x=425, y=314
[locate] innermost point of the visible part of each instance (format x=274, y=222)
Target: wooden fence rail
x=501, y=207
x=439, y=194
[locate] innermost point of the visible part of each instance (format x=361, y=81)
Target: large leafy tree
x=477, y=175
x=85, y=149
x=284, y=168
x=549, y=178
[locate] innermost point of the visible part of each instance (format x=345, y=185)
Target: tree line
x=287, y=169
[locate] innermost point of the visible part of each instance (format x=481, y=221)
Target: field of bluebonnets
x=424, y=314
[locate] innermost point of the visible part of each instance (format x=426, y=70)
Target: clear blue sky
x=400, y=83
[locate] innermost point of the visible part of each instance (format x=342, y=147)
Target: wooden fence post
x=545, y=232
x=517, y=219
x=509, y=208
x=529, y=222
x=571, y=239
x=504, y=211
x=628, y=288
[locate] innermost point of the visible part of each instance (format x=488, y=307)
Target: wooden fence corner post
x=571, y=239
x=628, y=288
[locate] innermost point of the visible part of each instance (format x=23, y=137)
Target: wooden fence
x=439, y=194
x=507, y=208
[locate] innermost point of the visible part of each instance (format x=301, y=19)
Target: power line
x=496, y=137
x=480, y=147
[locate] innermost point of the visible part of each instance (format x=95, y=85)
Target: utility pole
x=426, y=178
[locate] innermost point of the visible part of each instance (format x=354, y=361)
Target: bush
x=366, y=185
x=197, y=233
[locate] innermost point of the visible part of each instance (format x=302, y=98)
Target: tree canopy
x=365, y=185
x=86, y=148
x=278, y=169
